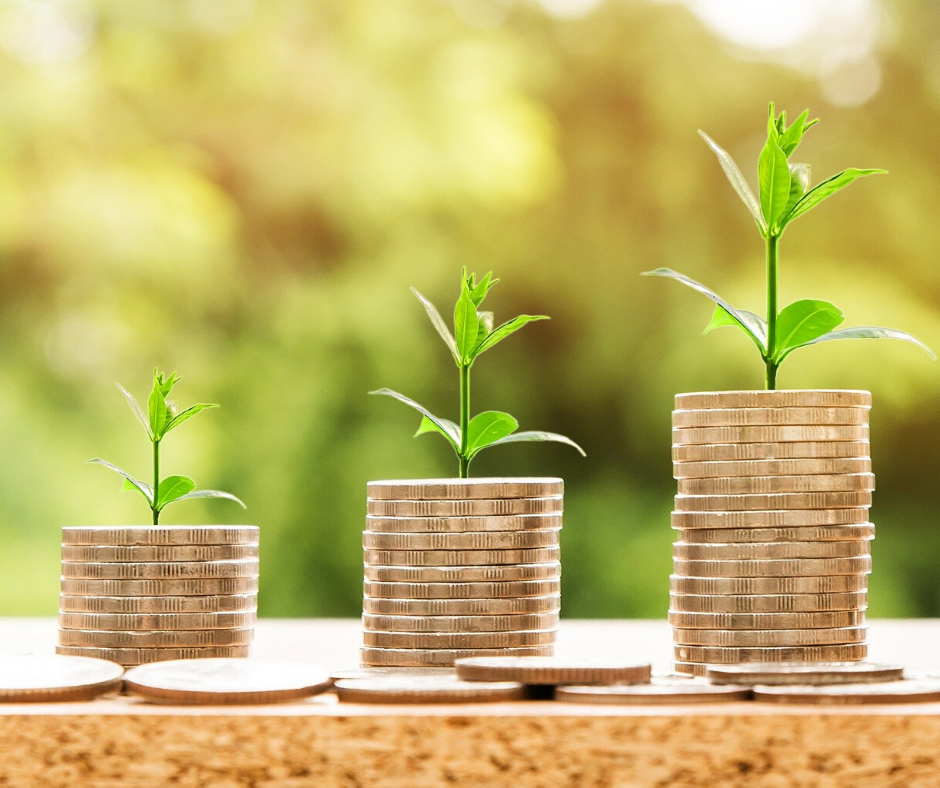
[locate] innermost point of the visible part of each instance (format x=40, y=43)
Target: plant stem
x=156, y=481
x=773, y=242
x=464, y=420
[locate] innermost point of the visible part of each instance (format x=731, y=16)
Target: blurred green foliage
x=244, y=191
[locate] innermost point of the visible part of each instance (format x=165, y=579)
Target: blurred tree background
x=244, y=191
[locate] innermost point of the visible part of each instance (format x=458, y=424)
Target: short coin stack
x=461, y=568
x=134, y=595
x=773, y=555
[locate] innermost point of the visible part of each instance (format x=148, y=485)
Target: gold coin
x=765, y=551
x=154, y=571
x=653, y=694
x=227, y=681
x=902, y=691
x=160, y=535
x=462, y=574
x=462, y=607
x=807, y=398
x=804, y=673
x=159, y=553
x=828, y=466
x=553, y=670
x=355, y=674
x=773, y=501
x=781, y=518
x=140, y=656
x=413, y=657
x=455, y=525
x=799, y=450
x=473, y=540
x=777, y=484
x=473, y=508
x=740, y=621
x=159, y=588
x=517, y=623
x=717, y=655
x=426, y=689
x=775, y=568
x=159, y=604
x=465, y=489
x=690, y=669
x=156, y=621
x=458, y=640
x=830, y=584
x=539, y=555
x=747, y=417
x=461, y=590
x=767, y=603
x=810, y=533
x=755, y=638
x=782, y=434
x=31, y=678
x=193, y=638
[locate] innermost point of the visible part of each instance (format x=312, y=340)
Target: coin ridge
x=782, y=674
x=479, y=487
x=758, y=621
x=451, y=574
x=743, y=417
x=770, y=434
x=768, y=518
x=467, y=540
x=773, y=450
x=768, y=603
x=774, y=501
x=445, y=657
x=553, y=671
x=718, y=654
x=704, y=469
x=769, y=586
x=737, y=485
x=157, y=605
x=455, y=524
x=513, y=588
x=546, y=603
x=159, y=535
x=470, y=508
x=183, y=638
x=766, y=638
x=537, y=555
x=786, y=535
x=459, y=640
x=156, y=621
x=129, y=656
x=158, y=587
x=774, y=568
x=770, y=550
x=152, y=553
x=779, y=398
x=469, y=623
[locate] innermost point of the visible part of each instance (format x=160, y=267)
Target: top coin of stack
x=460, y=568
x=773, y=554
x=145, y=594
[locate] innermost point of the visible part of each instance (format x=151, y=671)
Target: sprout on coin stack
x=773, y=555
x=463, y=567
x=136, y=594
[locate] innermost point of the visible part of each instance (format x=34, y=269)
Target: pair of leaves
x=162, y=416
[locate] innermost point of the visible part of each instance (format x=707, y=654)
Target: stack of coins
x=133, y=595
x=773, y=554
x=461, y=568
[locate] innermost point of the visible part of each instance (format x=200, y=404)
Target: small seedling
x=785, y=195
x=473, y=335
x=162, y=417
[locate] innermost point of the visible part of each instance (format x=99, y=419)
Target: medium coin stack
x=773, y=554
x=461, y=568
x=134, y=595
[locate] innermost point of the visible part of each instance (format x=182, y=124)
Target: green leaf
x=188, y=414
x=868, y=332
x=445, y=427
x=774, y=177
x=212, y=494
x=448, y=429
x=142, y=487
x=478, y=292
x=157, y=410
x=536, y=435
x=438, y=322
x=752, y=325
x=497, y=335
x=799, y=184
x=165, y=384
x=486, y=327
x=488, y=427
x=466, y=326
x=135, y=407
x=791, y=138
x=803, y=321
x=772, y=131
x=173, y=488
x=825, y=189
x=721, y=318
x=737, y=179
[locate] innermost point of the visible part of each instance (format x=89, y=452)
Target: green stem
x=773, y=242
x=464, y=420
x=156, y=481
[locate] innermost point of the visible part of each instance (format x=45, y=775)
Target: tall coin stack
x=461, y=568
x=145, y=594
x=773, y=555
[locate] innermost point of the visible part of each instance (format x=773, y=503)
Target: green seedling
x=785, y=195
x=161, y=417
x=473, y=335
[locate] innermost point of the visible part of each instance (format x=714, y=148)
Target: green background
x=244, y=191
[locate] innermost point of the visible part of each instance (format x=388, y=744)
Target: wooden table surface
x=126, y=742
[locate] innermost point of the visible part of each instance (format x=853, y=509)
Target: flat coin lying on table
x=804, y=673
x=658, y=693
x=354, y=674
x=903, y=691
x=226, y=681
x=553, y=670
x=426, y=689
x=32, y=679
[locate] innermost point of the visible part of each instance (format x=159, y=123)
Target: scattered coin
x=159, y=604
x=355, y=674
x=747, y=468
x=452, y=591
x=455, y=525
x=160, y=535
x=719, y=655
x=785, y=603
x=472, y=540
x=792, y=518
x=690, y=669
x=464, y=489
x=774, y=501
x=480, y=506
x=155, y=621
x=781, y=434
x=462, y=607
x=459, y=640
x=809, y=533
x=826, y=584
x=552, y=670
x=763, y=551
x=517, y=623
x=810, y=398
x=758, y=621
x=903, y=691
x=427, y=689
x=792, y=450
x=654, y=694
x=731, y=417
x=804, y=673
x=796, y=567
x=463, y=574
x=139, y=656
x=159, y=553
x=167, y=587
x=195, y=638
x=145, y=571
x=32, y=679
x=758, y=638
x=445, y=657
x=777, y=484
x=538, y=555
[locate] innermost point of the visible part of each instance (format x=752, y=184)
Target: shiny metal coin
x=750, y=485
x=773, y=501
x=783, y=434
x=764, y=603
x=517, y=623
x=903, y=691
x=795, y=567
x=775, y=450
x=34, y=679
x=473, y=508
x=159, y=605
x=156, y=621
x=463, y=574
x=538, y=555
x=156, y=571
x=806, y=534
x=785, y=518
x=183, y=638
x=804, y=673
x=763, y=551
x=807, y=398
x=719, y=655
x=442, y=657
x=462, y=607
x=746, y=468
x=160, y=535
x=752, y=638
x=829, y=584
x=459, y=640
x=356, y=674
x=427, y=689
x=456, y=525
x=139, y=656
x=742, y=417
x=461, y=590
x=158, y=553
x=654, y=694
x=159, y=588
x=473, y=540
x=774, y=621
x=464, y=489
x=554, y=670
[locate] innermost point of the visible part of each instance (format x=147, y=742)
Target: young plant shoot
x=162, y=417
x=785, y=195
x=473, y=335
